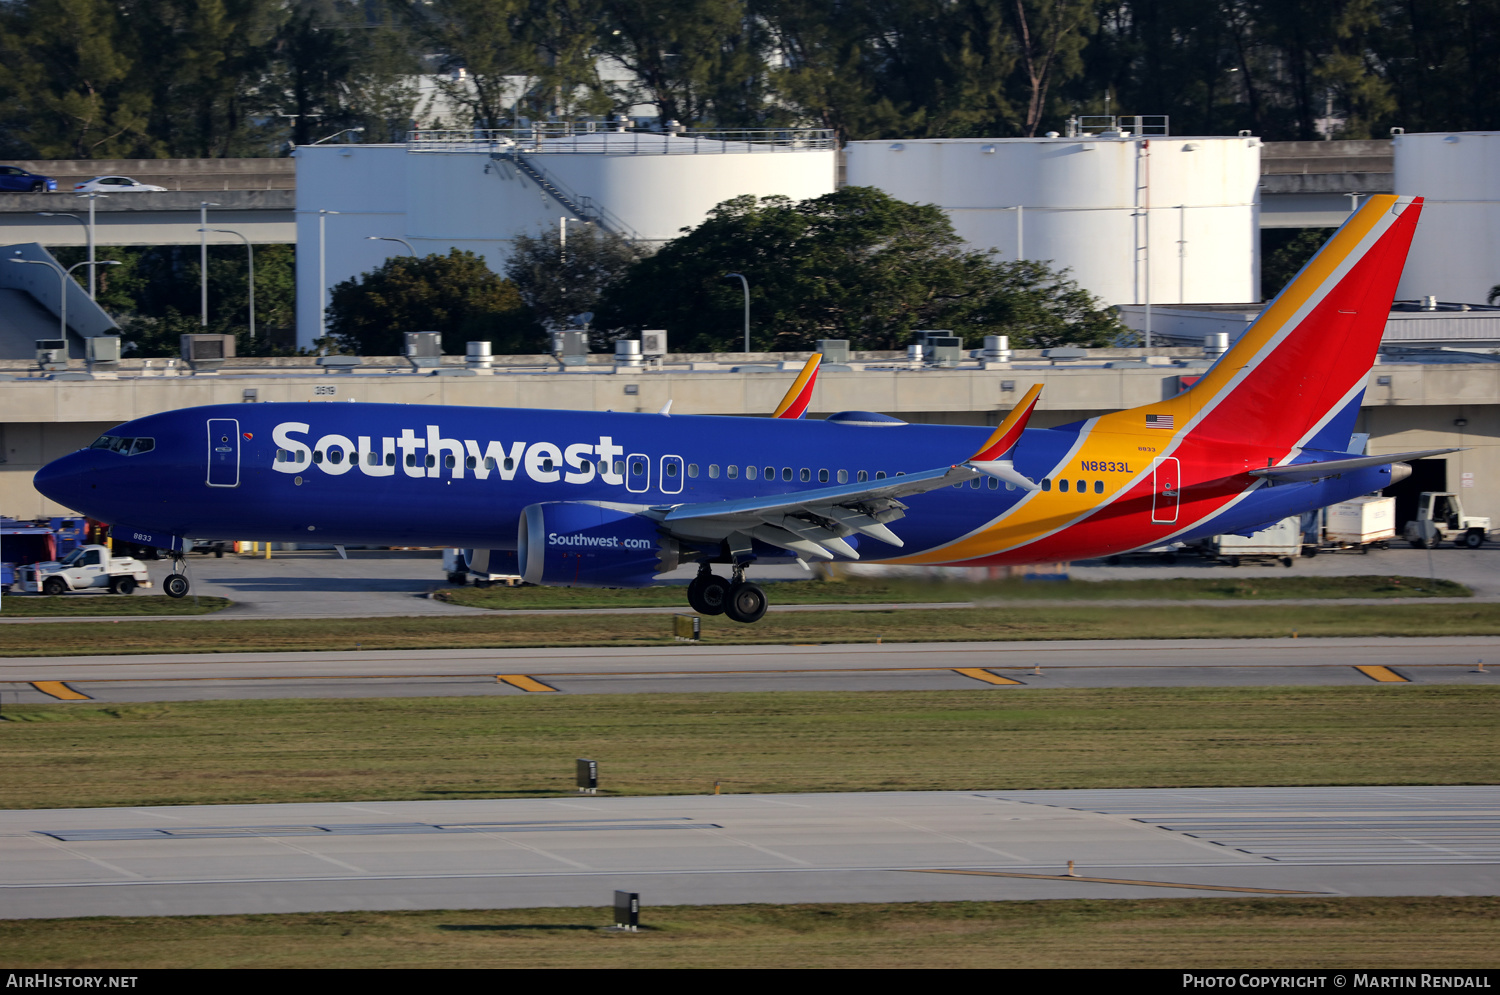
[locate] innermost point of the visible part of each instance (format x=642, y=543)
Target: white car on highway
x=116, y=184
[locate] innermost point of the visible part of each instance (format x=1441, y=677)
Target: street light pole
x=203, y=255
x=250, y=253
x=746, y=284
x=390, y=238
x=88, y=227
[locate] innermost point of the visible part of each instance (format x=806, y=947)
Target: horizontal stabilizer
x=1329, y=468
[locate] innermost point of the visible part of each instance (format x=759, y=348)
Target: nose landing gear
x=710, y=594
x=176, y=585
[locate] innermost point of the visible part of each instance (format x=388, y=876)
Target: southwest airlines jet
x=607, y=499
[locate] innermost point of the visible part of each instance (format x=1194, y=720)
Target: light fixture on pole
x=250, y=253
x=88, y=228
x=62, y=284
x=203, y=256
x=391, y=238
x=746, y=284
x=323, y=277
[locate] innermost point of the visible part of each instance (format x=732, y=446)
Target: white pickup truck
x=87, y=568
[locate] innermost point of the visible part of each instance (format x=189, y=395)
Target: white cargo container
x=1362, y=522
x=1282, y=541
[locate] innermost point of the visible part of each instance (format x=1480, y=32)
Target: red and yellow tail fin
x=1009, y=431
x=794, y=404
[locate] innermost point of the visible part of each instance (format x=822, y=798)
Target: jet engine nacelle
x=582, y=544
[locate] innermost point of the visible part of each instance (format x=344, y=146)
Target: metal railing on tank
x=589, y=138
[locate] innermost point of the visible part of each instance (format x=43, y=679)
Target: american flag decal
x=1158, y=421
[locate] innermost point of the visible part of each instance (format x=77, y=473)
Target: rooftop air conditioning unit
x=833, y=350
x=654, y=342
x=103, y=352
x=424, y=350
x=52, y=354
x=571, y=347
x=205, y=352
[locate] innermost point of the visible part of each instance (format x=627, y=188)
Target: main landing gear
x=176, y=584
x=741, y=600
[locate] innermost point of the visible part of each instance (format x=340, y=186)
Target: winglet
x=794, y=404
x=1009, y=431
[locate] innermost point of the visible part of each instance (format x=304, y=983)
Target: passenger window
x=843, y=476
x=635, y=468
x=879, y=474
x=335, y=456
x=390, y=459
x=281, y=456
x=1062, y=487
x=317, y=456
x=619, y=465
x=471, y=462
x=671, y=469
x=734, y=471
x=994, y=483
x=546, y=464
x=900, y=473
x=450, y=461
x=603, y=466
x=750, y=472
x=371, y=459
x=489, y=462
x=1083, y=486
x=713, y=471
x=431, y=461
x=770, y=473
x=805, y=475
x=974, y=484
x=411, y=459
x=692, y=469
x=1009, y=486
x=822, y=476
x=862, y=476
x=1098, y=487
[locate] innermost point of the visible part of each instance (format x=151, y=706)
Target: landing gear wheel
x=1473, y=540
x=54, y=586
x=176, y=586
x=747, y=603
x=125, y=585
x=708, y=594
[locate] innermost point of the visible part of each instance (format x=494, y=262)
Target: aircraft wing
x=1329, y=468
x=812, y=523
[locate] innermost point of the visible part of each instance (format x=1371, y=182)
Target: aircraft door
x=637, y=473
x=223, y=452
x=670, y=478
x=1165, y=483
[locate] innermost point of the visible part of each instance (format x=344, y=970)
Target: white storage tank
x=1455, y=255
x=1083, y=204
x=445, y=190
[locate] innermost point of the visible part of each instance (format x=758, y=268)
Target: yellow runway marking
x=58, y=689
x=1147, y=884
x=523, y=682
x=1383, y=674
x=983, y=675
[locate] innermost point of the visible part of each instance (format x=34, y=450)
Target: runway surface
x=994, y=667
x=911, y=846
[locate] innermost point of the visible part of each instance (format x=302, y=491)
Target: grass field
x=1089, y=620
x=871, y=590
x=1358, y=933
x=46, y=606
x=497, y=747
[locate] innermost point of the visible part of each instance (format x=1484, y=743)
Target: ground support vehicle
x=1360, y=524
x=34, y=542
x=87, y=568
x=1281, y=541
x=1440, y=518
x=458, y=565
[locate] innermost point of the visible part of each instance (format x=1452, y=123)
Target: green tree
x=557, y=280
x=456, y=294
x=854, y=264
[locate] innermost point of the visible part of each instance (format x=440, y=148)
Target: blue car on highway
x=14, y=179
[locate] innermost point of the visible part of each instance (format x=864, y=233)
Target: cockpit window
x=124, y=446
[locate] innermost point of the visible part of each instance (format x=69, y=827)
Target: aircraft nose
x=66, y=480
